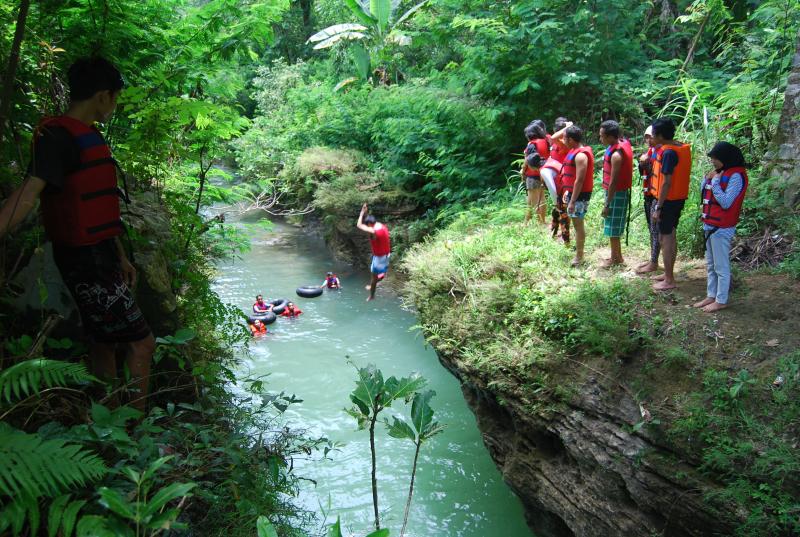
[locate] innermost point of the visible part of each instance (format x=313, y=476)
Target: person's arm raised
x=360, y=223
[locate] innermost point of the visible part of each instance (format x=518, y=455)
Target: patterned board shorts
x=581, y=204
x=380, y=264
x=617, y=214
x=108, y=310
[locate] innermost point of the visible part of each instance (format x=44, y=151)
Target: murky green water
x=458, y=491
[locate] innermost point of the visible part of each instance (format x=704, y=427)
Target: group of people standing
x=561, y=164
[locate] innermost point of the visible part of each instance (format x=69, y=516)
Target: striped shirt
x=726, y=197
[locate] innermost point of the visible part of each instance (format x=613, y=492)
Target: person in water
x=259, y=306
x=291, y=310
x=381, y=247
x=257, y=327
x=331, y=281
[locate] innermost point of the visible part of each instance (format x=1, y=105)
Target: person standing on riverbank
x=723, y=193
x=617, y=179
x=648, y=192
x=672, y=169
x=381, y=247
x=577, y=179
x=75, y=176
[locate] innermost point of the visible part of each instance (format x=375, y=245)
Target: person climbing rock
x=722, y=193
x=617, y=180
x=75, y=177
x=381, y=247
x=672, y=168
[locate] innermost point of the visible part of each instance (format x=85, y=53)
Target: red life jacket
x=331, y=281
x=541, y=146
x=647, y=172
x=569, y=170
x=558, y=151
x=380, y=243
x=291, y=313
x=712, y=213
x=625, y=179
x=260, y=308
x=86, y=210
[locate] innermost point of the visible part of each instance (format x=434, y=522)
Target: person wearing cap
x=646, y=173
x=723, y=192
x=74, y=175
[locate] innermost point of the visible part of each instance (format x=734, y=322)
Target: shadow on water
x=459, y=492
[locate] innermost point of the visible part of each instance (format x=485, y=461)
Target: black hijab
x=728, y=154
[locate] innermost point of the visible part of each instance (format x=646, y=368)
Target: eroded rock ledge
x=582, y=471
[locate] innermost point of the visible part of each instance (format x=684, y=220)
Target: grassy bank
x=499, y=302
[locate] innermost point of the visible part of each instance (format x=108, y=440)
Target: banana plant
x=378, y=27
x=421, y=429
x=372, y=395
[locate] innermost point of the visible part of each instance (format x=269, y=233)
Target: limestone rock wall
x=786, y=157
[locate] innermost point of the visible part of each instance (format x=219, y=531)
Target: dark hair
x=560, y=123
x=87, y=76
x=664, y=127
x=610, y=128
x=535, y=130
x=728, y=154
x=575, y=133
x=369, y=220
x=259, y=296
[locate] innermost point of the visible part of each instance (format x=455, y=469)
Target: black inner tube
x=309, y=291
x=267, y=317
x=278, y=305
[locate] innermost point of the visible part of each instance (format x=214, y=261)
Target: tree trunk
x=785, y=157
x=374, y=468
x=13, y=63
x=410, y=489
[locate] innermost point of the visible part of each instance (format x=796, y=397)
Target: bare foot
x=576, y=262
x=703, y=303
x=714, y=306
x=369, y=298
x=646, y=268
x=608, y=263
x=658, y=277
x=664, y=285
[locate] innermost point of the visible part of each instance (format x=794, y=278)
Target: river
x=458, y=490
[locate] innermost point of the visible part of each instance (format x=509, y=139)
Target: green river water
x=458, y=491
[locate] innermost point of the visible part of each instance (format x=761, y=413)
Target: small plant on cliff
x=422, y=428
x=372, y=395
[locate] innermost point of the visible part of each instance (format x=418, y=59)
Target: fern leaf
x=32, y=466
x=30, y=376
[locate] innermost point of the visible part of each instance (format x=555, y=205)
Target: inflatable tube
x=267, y=317
x=278, y=305
x=309, y=291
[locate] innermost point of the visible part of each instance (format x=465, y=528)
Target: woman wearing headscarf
x=722, y=194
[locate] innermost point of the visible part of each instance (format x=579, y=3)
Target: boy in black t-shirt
x=73, y=173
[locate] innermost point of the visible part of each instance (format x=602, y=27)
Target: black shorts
x=670, y=215
x=93, y=276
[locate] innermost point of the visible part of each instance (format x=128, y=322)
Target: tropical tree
x=379, y=27
x=421, y=429
x=372, y=395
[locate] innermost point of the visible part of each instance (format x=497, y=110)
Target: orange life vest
x=679, y=187
x=541, y=146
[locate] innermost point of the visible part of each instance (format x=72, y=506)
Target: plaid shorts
x=617, y=214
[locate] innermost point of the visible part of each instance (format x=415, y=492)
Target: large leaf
x=379, y=533
x=94, y=526
x=381, y=10
x=369, y=387
x=421, y=411
x=265, y=528
x=402, y=430
x=165, y=495
x=408, y=13
x=362, y=60
x=336, y=29
x=32, y=466
x=403, y=388
x=30, y=376
x=336, y=529
x=360, y=13
x=344, y=36
x=112, y=499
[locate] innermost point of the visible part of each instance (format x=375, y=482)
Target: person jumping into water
x=381, y=247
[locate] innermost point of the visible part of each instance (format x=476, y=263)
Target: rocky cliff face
x=786, y=157
x=582, y=472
